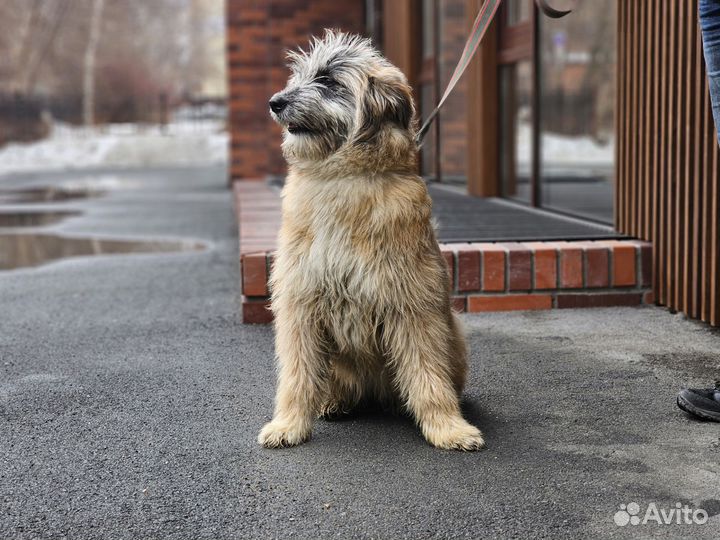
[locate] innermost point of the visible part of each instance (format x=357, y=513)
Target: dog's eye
x=326, y=81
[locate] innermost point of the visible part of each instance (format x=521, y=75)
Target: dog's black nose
x=278, y=104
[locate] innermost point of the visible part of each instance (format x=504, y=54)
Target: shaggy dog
x=360, y=291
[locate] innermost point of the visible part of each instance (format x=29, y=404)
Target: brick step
x=487, y=276
x=511, y=276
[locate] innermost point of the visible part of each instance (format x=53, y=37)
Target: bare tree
x=56, y=19
x=89, y=59
x=89, y=64
x=25, y=39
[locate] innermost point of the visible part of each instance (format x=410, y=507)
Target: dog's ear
x=386, y=101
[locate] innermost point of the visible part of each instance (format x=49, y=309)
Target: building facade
x=602, y=116
x=259, y=33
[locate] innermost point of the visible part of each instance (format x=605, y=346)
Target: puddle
x=47, y=194
x=23, y=250
x=33, y=219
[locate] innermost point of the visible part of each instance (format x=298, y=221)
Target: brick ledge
x=486, y=276
x=512, y=276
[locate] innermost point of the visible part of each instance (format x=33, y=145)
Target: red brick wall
x=259, y=32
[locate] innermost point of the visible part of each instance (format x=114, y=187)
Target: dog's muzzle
x=278, y=104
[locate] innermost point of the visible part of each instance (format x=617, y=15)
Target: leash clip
x=551, y=11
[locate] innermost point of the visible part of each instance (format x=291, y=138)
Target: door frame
x=503, y=45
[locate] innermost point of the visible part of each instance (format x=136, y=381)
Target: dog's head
x=342, y=94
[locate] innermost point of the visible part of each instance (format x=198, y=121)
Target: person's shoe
x=701, y=402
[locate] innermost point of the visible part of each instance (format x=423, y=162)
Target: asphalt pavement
x=131, y=397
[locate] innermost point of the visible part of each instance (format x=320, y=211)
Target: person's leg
x=709, y=11
x=705, y=402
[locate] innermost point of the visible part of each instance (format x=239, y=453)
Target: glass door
x=557, y=107
x=577, y=100
x=428, y=82
x=516, y=73
x=445, y=25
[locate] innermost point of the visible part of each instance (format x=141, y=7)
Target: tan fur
x=360, y=291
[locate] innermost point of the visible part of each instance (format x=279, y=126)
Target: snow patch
x=562, y=151
x=72, y=147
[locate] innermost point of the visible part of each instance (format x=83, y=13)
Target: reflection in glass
x=428, y=157
x=577, y=69
x=21, y=250
x=517, y=11
x=33, y=218
x=46, y=194
x=453, y=28
x=427, y=98
x=428, y=29
x=515, y=130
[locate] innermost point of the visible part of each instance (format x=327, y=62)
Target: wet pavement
x=39, y=207
x=21, y=250
x=131, y=397
x=47, y=194
x=31, y=219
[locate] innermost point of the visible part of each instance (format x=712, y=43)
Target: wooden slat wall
x=668, y=181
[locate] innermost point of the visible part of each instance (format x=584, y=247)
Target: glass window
x=428, y=98
x=577, y=67
x=453, y=30
x=428, y=29
x=444, y=151
x=516, y=130
x=518, y=11
x=428, y=157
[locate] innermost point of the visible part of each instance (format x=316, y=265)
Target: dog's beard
x=312, y=138
x=310, y=146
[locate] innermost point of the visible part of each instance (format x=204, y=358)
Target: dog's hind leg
x=302, y=379
x=344, y=390
x=419, y=348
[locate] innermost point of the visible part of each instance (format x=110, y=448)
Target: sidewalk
x=131, y=396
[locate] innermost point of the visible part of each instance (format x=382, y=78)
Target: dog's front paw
x=455, y=435
x=279, y=434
